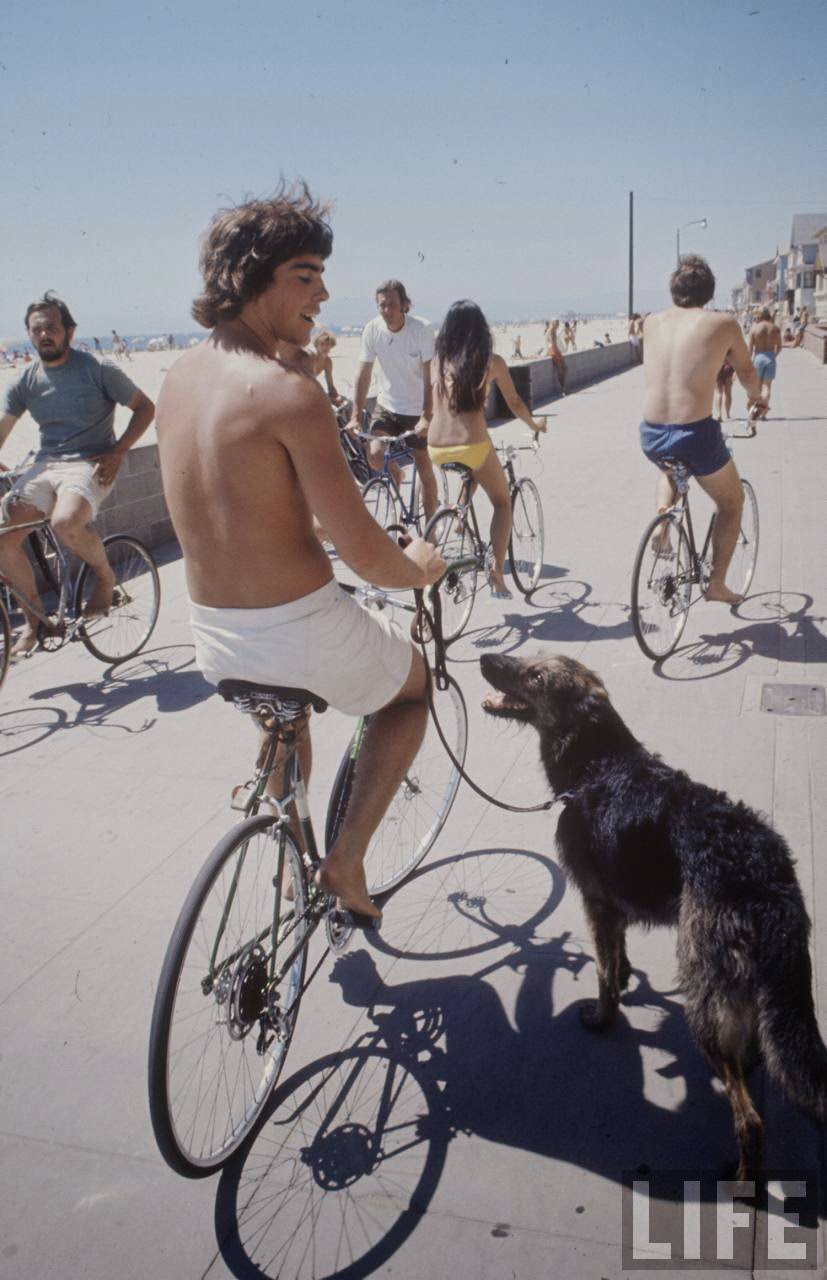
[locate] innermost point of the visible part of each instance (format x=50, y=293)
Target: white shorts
x=42, y=484
x=354, y=658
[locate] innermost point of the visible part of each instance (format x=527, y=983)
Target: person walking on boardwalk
x=72, y=397
x=554, y=352
x=685, y=348
x=249, y=455
x=403, y=345
x=764, y=346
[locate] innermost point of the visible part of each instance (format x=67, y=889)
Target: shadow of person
x=168, y=674
x=787, y=635
x=557, y=613
x=353, y=1148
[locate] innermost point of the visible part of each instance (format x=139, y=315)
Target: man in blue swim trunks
x=764, y=346
x=685, y=348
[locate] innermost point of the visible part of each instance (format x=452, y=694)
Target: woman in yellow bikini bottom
x=463, y=368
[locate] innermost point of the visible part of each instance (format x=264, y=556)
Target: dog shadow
x=352, y=1152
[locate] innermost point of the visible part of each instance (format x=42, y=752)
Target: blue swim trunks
x=698, y=444
x=763, y=362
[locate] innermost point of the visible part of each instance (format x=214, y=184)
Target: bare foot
x=662, y=543
x=714, y=592
x=25, y=643
x=499, y=590
x=346, y=881
x=100, y=601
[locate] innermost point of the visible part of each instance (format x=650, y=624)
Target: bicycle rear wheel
x=420, y=808
x=449, y=532
x=742, y=565
x=5, y=642
x=525, y=548
x=127, y=625
x=381, y=502
x=661, y=586
x=213, y=1063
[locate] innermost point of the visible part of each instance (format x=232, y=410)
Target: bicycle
x=235, y=969
x=455, y=531
x=383, y=495
x=668, y=566
x=113, y=636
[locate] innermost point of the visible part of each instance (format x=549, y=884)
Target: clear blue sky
x=482, y=150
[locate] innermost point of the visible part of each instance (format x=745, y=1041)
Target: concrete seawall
x=136, y=504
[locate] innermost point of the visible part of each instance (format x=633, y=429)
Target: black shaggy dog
x=646, y=845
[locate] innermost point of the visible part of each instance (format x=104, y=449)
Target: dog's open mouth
x=504, y=704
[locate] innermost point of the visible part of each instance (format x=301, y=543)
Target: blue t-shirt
x=72, y=403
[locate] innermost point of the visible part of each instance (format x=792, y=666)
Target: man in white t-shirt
x=404, y=347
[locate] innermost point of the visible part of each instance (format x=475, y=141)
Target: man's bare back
x=765, y=337
x=242, y=519
x=685, y=348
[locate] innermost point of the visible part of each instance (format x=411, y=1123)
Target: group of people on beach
x=252, y=468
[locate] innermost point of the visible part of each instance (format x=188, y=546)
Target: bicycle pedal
x=240, y=796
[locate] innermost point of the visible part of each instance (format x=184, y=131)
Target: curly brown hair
x=692, y=284
x=51, y=301
x=243, y=246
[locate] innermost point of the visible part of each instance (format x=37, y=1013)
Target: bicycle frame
x=66, y=582
x=683, y=514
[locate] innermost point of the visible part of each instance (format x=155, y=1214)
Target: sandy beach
x=148, y=369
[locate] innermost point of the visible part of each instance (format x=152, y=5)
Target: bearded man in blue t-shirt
x=72, y=398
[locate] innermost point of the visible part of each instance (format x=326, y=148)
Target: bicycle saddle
x=459, y=467
x=276, y=696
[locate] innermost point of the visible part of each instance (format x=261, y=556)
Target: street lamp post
x=696, y=222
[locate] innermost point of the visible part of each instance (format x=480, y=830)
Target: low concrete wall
x=815, y=340
x=537, y=380
x=136, y=504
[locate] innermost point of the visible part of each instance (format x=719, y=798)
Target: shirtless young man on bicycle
x=249, y=454
x=685, y=348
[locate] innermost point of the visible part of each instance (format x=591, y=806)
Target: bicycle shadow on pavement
x=167, y=674
x=778, y=627
x=558, y=614
x=352, y=1153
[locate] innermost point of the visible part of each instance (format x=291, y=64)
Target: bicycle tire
x=661, y=587
x=381, y=502
x=449, y=532
x=356, y=460
x=196, y=1135
x=125, y=628
x=742, y=565
x=420, y=808
x=5, y=643
x=527, y=541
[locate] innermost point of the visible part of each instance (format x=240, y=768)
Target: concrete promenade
x=442, y=1113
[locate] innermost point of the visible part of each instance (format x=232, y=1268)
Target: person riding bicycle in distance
x=465, y=366
x=72, y=397
x=685, y=348
x=249, y=454
x=403, y=345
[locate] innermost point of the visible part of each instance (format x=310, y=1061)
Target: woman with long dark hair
x=463, y=369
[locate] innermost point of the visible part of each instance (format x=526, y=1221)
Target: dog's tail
x=794, y=1052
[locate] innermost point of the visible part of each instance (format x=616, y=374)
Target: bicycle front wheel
x=381, y=502
x=742, y=565
x=420, y=808
x=661, y=586
x=449, y=532
x=525, y=549
x=225, y=1009
x=5, y=642
x=124, y=629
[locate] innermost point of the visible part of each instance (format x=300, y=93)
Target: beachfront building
x=808, y=232
x=820, y=291
x=758, y=289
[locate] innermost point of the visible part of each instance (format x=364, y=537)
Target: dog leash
x=433, y=621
